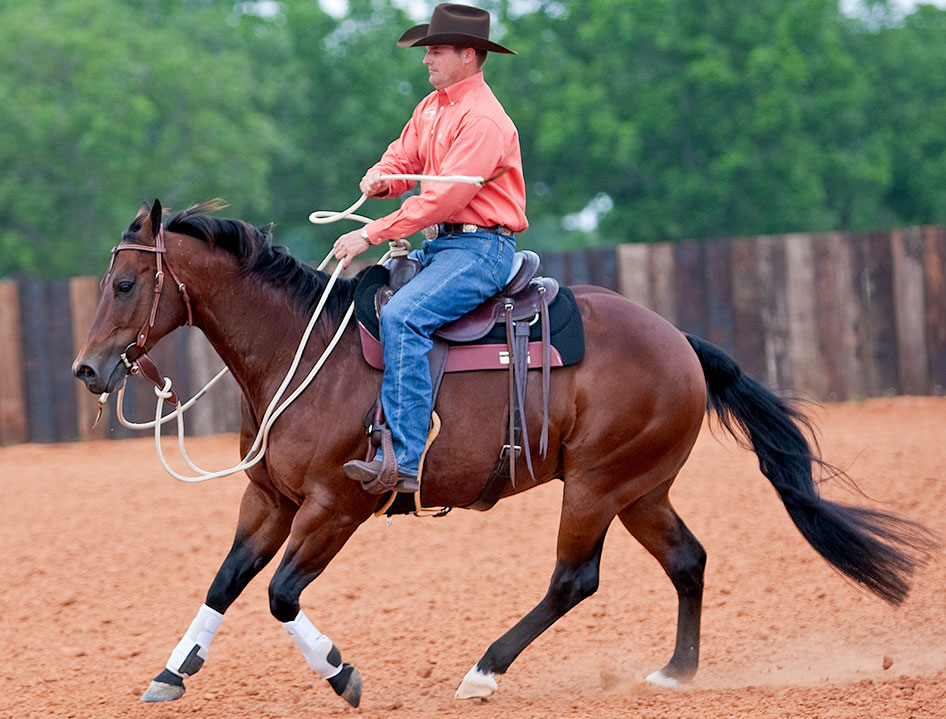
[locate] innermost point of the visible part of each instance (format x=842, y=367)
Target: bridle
x=142, y=362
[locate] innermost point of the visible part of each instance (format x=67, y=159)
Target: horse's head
x=127, y=321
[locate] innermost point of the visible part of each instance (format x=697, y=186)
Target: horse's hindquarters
x=639, y=398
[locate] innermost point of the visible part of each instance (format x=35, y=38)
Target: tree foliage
x=692, y=118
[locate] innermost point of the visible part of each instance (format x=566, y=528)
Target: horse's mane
x=258, y=256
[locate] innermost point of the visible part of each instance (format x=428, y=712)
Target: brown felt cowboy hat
x=459, y=25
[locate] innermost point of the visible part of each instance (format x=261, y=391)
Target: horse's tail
x=876, y=549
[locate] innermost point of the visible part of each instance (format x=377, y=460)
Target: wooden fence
x=832, y=316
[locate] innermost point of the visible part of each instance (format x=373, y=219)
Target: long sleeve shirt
x=460, y=130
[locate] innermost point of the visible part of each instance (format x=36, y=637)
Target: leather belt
x=454, y=228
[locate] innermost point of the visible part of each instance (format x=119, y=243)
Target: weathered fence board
x=46, y=328
x=690, y=286
x=634, y=272
x=879, y=304
x=909, y=316
x=748, y=330
x=804, y=350
x=828, y=332
x=663, y=283
x=718, y=271
x=13, y=425
x=852, y=337
x=603, y=267
x=934, y=281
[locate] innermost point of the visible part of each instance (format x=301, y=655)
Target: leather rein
x=142, y=362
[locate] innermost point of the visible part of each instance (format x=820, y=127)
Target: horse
x=622, y=422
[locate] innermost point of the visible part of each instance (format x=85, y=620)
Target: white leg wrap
x=189, y=654
x=476, y=685
x=660, y=679
x=316, y=647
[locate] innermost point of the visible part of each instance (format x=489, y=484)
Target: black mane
x=258, y=256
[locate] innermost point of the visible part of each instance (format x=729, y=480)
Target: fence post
x=14, y=428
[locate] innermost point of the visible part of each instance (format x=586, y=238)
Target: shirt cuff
x=372, y=231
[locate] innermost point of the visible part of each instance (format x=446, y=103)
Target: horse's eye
x=123, y=287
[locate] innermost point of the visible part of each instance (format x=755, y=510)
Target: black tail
x=876, y=549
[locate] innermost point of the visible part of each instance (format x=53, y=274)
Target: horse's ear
x=156, y=217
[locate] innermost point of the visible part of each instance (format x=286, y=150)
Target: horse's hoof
x=659, y=679
x=161, y=692
x=476, y=685
x=347, y=684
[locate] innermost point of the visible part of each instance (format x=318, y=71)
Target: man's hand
x=372, y=184
x=349, y=246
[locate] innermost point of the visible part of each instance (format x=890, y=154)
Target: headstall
x=142, y=362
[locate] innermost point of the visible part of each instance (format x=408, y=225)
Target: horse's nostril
x=84, y=372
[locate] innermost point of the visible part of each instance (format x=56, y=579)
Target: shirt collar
x=458, y=90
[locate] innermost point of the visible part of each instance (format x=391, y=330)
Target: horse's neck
x=258, y=340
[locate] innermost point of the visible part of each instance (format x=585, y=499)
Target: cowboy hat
x=459, y=25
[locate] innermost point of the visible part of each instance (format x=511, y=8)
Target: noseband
x=142, y=362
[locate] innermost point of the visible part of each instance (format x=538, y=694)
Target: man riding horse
x=459, y=129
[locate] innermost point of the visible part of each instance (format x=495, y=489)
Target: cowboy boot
x=376, y=478
x=381, y=475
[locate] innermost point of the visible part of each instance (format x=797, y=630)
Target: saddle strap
x=511, y=424
x=493, y=489
x=520, y=362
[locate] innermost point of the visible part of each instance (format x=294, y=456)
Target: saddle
x=523, y=296
x=524, y=299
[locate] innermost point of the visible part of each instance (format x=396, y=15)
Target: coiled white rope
x=275, y=408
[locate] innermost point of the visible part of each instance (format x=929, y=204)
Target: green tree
x=697, y=118
x=103, y=107
x=905, y=62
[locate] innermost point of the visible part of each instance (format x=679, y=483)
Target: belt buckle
x=469, y=228
x=432, y=232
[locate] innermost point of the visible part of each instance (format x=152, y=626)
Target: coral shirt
x=460, y=130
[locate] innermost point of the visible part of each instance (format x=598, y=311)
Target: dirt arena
x=105, y=560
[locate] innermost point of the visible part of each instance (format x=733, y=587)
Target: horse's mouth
x=101, y=380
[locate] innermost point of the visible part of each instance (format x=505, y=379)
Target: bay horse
x=622, y=422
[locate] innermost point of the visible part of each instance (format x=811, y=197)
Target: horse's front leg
x=265, y=519
x=319, y=530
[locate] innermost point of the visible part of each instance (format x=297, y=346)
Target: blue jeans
x=458, y=272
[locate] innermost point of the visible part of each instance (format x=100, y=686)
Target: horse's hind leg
x=580, y=539
x=262, y=528
x=655, y=524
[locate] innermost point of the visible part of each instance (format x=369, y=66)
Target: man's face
x=447, y=65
